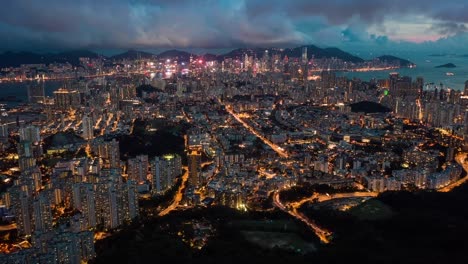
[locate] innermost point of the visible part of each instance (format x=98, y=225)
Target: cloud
x=450, y=28
x=380, y=39
x=122, y=24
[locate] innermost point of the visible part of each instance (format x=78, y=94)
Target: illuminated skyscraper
x=84, y=199
x=66, y=99
x=194, y=166
x=42, y=213
x=465, y=132
x=265, y=61
x=402, y=86
x=4, y=131
x=64, y=245
x=158, y=171
x=25, y=149
x=137, y=168
x=130, y=201
x=30, y=133
x=26, y=163
x=304, y=54
x=107, y=150
x=107, y=205
x=328, y=79
x=246, y=61
x=21, y=207
x=164, y=170
x=88, y=128
x=36, y=93
x=419, y=84
x=31, y=177
x=25, y=152
x=127, y=92
x=85, y=245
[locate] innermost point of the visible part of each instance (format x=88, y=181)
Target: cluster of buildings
x=59, y=207
x=165, y=66
x=324, y=141
x=59, y=215
x=156, y=175
x=421, y=179
x=256, y=126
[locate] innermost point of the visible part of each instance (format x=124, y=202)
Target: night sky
x=209, y=24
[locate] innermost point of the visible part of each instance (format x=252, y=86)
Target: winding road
x=292, y=209
x=460, y=160
x=179, y=195
x=323, y=235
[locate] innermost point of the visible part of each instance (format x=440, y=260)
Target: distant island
x=448, y=54
x=442, y=54
x=448, y=65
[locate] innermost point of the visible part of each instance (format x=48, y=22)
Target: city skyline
x=216, y=25
x=266, y=132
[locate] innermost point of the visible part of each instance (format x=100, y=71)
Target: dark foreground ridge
x=422, y=227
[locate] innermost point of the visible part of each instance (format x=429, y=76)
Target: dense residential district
x=123, y=143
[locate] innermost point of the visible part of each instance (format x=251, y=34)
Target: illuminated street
x=324, y=197
x=292, y=209
x=179, y=195
x=320, y=232
x=460, y=160
x=8, y=227
x=275, y=147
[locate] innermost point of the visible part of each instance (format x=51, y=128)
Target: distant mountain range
x=312, y=51
x=132, y=55
x=15, y=59
x=396, y=60
x=171, y=54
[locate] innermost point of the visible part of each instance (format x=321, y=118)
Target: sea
x=425, y=67
x=15, y=93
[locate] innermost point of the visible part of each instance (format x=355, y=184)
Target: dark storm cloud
x=63, y=24
x=450, y=28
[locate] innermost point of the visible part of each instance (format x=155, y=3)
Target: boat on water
x=450, y=74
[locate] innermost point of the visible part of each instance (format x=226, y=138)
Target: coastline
x=45, y=79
